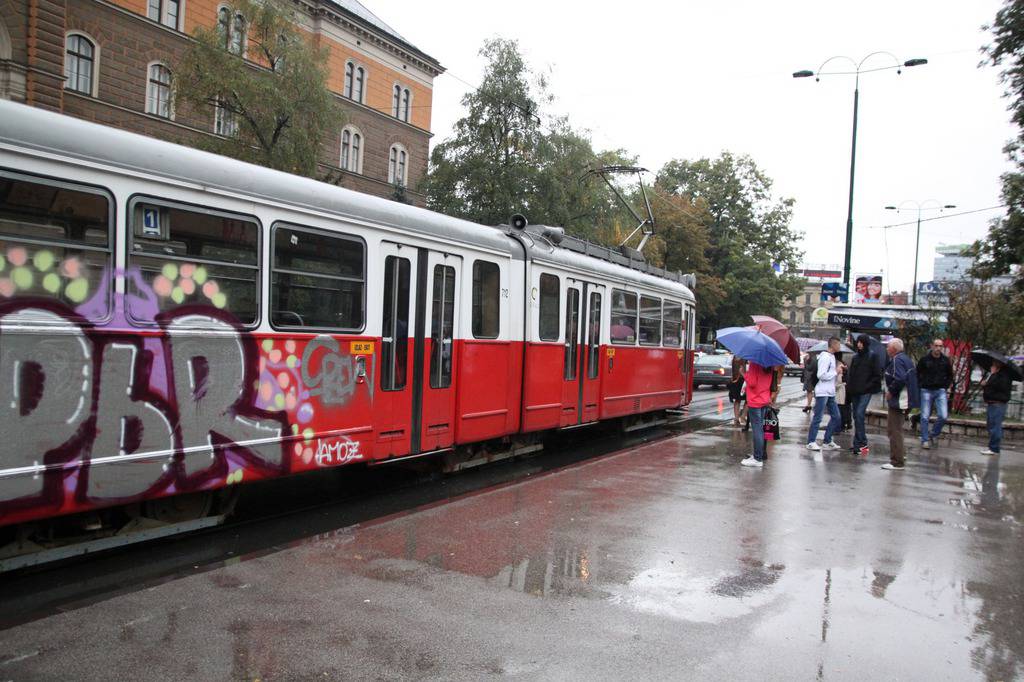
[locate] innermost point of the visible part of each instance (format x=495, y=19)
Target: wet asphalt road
x=667, y=561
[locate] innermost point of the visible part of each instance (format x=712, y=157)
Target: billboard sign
x=867, y=289
x=835, y=292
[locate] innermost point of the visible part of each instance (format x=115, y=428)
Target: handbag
x=904, y=399
x=771, y=424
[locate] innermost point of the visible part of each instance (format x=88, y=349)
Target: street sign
x=835, y=292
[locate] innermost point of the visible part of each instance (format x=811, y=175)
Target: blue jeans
x=995, y=414
x=834, y=419
x=860, y=409
x=756, y=415
x=928, y=396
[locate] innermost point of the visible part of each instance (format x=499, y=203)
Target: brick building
x=109, y=61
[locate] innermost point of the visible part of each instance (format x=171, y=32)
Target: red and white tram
x=173, y=322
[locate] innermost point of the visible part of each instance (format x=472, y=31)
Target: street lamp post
x=858, y=70
x=921, y=206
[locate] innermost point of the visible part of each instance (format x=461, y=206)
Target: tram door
x=418, y=359
x=590, y=360
x=443, y=281
x=581, y=352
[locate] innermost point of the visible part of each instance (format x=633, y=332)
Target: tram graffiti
x=84, y=397
x=97, y=414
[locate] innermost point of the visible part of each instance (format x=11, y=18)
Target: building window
x=79, y=62
x=355, y=81
x=232, y=30
x=158, y=91
x=352, y=150
x=398, y=165
x=400, y=100
x=225, y=121
x=165, y=11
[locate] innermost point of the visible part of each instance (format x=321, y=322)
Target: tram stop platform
x=668, y=561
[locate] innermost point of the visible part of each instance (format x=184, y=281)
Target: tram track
x=273, y=515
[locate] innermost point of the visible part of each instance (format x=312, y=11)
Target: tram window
x=55, y=242
x=673, y=323
x=180, y=255
x=486, y=299
x=594, y=336
x=317, y=279
x=442, y=326
x=550, y=292
x=395, y=330
x=572, y=333
x=650, y=321
x=623, y=322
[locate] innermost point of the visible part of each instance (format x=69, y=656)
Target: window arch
x=158, y=90
x=352, y=149
x=398, y=165
x=355, y=81
x=401, y=102
x=232, y=29
x=81, y=62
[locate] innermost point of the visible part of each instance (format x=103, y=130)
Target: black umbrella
x=984, y=358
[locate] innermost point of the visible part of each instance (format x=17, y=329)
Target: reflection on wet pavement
x=835, y=567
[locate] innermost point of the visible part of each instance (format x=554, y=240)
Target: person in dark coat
x=864, y=380
x=899, y=375
x=935, y=375
x=996, y=393
x=808, y=378
x=739, y=366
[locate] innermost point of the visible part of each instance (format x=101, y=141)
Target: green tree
x=508, y=155
x=489, y=168
x=749, y=235
x=1003, y=248
x=276, y=107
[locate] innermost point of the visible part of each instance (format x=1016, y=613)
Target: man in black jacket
x=996, y=393
x=862, y=381
x=935, y=376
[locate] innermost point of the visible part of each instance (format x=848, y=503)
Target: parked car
x=713, y=370
x=793, y=369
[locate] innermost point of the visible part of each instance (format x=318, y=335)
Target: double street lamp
x=920, y=206
x=858, y=70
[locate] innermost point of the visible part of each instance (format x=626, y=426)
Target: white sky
x=687, y=79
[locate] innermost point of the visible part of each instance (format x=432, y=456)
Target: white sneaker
x=831, y=445
x=813, y=446
x=986, y=451
x=751, y=462
x=891, y=467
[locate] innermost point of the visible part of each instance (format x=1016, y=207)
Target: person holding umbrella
x=761, y=353
x=996, y=388
x=825, y=397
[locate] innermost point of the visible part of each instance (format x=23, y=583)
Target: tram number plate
x=361, y=348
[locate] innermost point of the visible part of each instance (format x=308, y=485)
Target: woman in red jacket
x=759, y=397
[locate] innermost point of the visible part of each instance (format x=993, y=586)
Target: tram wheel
x=179, y=508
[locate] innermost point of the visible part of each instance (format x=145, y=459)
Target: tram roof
x=36, y=130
